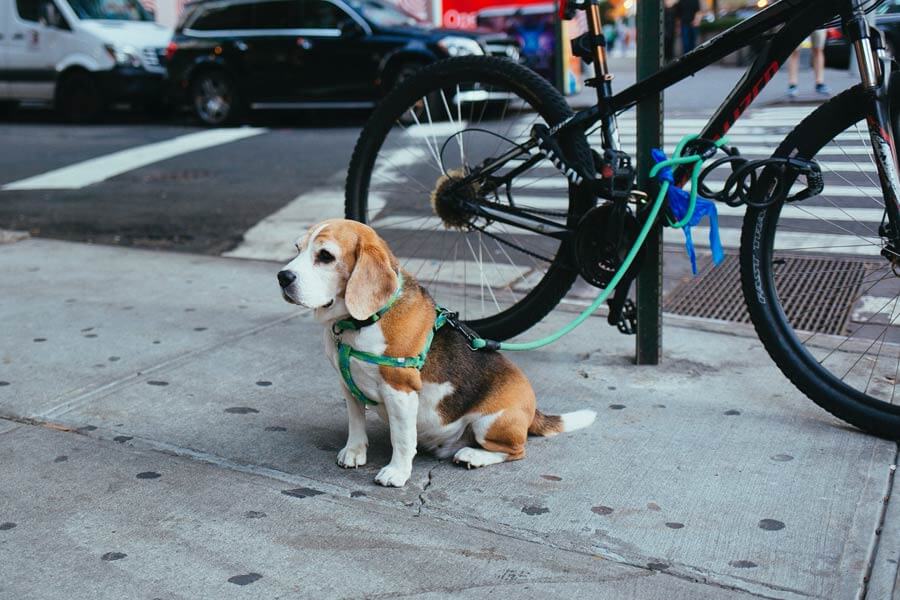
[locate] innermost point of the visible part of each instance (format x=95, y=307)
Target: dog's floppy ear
x=373, y=280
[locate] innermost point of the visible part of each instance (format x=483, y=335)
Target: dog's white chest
x=431, y=431
x=366, y=376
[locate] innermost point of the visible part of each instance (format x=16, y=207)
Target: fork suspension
x=875, y=81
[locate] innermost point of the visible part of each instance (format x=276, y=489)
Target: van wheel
x=7, y=107
x=215, y=98
x=78, y=98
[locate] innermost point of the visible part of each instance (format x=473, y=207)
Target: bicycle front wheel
x=439, y=125
x=825, y=302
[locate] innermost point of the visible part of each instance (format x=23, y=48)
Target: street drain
x=816, y=292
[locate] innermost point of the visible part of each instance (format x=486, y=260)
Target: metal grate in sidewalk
x=817, y=292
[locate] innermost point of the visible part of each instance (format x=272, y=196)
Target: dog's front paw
x=391, y=476
x=350, y=458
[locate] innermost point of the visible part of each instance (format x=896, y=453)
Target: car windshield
x=113, y=10
x=384, y=15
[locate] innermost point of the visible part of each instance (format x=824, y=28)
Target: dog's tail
x=547, y=425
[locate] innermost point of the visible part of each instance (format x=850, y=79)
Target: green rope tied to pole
x=676, y=160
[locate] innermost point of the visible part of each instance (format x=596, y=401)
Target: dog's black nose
x=286, y=278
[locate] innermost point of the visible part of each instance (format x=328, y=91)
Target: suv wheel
x=7, y=107
x=405, y=71
x=215, y=98
x=78, y=97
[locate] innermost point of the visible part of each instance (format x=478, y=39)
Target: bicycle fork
x=876, y=81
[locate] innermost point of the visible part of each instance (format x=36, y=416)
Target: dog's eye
x=324, y=257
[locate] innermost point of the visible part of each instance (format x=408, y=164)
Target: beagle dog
x=477, y=407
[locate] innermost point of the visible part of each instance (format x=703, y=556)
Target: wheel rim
x=479, y=268
x=837, y=298
x=213, y=99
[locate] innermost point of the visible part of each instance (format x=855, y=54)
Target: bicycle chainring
x=603, y=238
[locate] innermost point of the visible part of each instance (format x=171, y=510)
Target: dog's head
x=342, y=267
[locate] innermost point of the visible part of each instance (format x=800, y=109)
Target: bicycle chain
x=512, y=244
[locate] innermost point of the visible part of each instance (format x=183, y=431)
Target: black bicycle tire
x=546, y=294
x=757, y=279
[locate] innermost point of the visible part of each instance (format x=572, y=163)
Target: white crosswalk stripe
x=102, y=168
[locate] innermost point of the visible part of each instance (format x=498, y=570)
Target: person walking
x=818, y=61
x=689, y=14
x=669, y=30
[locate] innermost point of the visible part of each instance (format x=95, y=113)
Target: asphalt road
x=201, y=201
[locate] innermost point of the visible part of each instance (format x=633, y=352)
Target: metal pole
x=649, y=135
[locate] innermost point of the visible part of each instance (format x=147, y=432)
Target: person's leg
x=692, y=35
x=819, y=65
x=818, y=43
x=685, y=38
x=793, y=68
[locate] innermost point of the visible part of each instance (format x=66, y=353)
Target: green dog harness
x=346, y=352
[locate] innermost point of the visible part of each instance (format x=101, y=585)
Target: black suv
x=230, y=55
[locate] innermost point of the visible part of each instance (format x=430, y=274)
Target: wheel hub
x=450, y=197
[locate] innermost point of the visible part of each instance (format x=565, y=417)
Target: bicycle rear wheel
x=824, y=301
x=436, y=126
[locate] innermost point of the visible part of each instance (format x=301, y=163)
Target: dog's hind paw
x=350, y=458
x=476, y=457
x=392, y=477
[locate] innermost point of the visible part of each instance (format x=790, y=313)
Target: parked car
x=228, y=56
x=80, y=54
x=838, y=54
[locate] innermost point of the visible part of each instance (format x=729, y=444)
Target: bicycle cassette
x=603, y=238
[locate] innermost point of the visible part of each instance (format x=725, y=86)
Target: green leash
x=676, y=160
x=346, y=352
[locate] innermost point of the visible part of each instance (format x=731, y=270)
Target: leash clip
x=470, y=334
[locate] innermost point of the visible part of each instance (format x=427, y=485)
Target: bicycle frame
x=798, y=18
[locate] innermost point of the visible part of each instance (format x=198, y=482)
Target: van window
x=29, y=10
x=232, y=16
x=110, y=10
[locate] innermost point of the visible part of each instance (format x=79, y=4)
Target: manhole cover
x=177, y=176
x=716, y=292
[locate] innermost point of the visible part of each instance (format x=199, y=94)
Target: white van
x=80, y=54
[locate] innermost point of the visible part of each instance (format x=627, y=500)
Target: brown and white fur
x=477, y=407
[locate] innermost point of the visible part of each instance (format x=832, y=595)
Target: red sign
x=463, y=14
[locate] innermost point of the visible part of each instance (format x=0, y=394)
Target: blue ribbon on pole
x=679, y=202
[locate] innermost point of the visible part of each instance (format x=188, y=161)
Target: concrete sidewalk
x=169, y=430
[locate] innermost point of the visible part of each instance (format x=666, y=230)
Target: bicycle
x=479, y=135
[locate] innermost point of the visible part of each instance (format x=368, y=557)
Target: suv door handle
x=18, y=36
x=304, y=43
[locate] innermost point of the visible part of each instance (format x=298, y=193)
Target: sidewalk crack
x=425, y=489
x=872, y=553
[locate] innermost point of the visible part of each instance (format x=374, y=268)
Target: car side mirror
x=350, y=29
